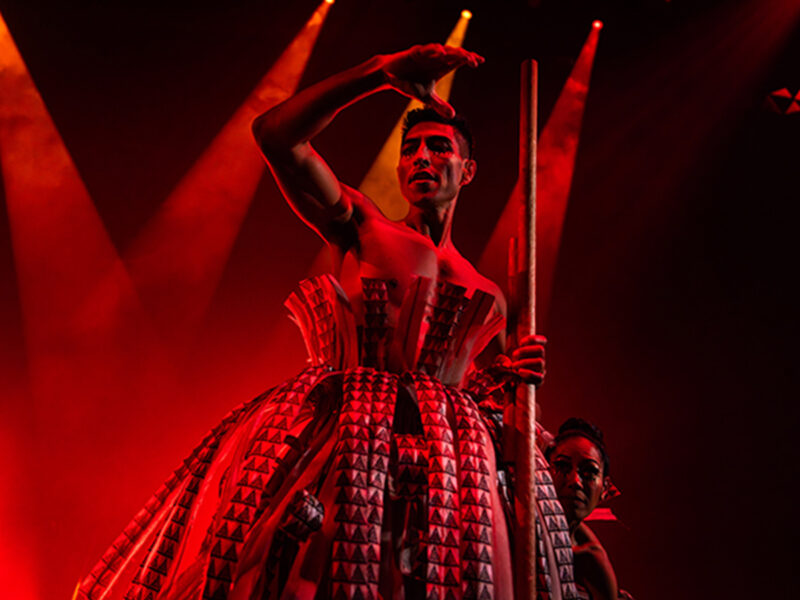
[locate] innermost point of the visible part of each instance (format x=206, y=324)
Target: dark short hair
x=575, y=426
x=425, y=115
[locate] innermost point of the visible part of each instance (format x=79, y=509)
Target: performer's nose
x=422, y=156
x=421, y=160
x=573, y=478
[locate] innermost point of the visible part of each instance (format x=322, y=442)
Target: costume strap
x=264, y=466
x=443, y=551
x=364, y=446
x=477, y=570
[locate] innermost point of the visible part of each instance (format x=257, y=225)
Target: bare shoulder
x=592, y=565
x=585, y=536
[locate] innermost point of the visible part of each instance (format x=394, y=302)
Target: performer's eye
x=441, y=148
x=562, y=466
x=590, y=472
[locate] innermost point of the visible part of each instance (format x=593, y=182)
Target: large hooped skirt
x=337, y=484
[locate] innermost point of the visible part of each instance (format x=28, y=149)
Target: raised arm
x=284, y=132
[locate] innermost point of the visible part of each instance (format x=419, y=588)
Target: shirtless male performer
x=372, y=473
x=435, y=163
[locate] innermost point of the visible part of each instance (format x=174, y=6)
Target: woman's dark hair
x=575, y=426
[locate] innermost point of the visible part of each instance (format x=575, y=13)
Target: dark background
x=673, y=320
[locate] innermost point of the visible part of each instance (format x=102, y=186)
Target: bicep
x=312, y=190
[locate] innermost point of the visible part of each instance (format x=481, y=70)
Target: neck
x=434, y=222
x=573, y=528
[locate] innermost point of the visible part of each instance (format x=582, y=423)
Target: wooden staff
x=525, y=289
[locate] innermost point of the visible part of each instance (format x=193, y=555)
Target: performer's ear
x=470, y=167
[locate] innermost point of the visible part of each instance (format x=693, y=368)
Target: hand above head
x=414, y=72
x=528, y=359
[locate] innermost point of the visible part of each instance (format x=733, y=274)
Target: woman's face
x=577, y=467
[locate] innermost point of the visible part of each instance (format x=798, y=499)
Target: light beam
x=83, y=326
x=177, y=261
x=61, y=248
x=557, y=148
x=380, y=182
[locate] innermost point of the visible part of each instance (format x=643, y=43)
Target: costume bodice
x=438, y=329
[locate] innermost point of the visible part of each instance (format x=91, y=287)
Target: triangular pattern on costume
x=443, y=522
x=365, y=416
x=194, y=468
x=239, y=516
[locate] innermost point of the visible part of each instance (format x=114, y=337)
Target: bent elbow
x=271, y=139
x=264, y=134
x=277, y=139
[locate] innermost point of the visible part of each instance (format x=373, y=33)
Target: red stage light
x=557, y=148
x=88, y=342
x=74, y=290
x=178, y=260
x=597, y=24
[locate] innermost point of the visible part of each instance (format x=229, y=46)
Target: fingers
x=530, y=372
x=533, y=339
x=454, y=58
x=457, y=56
x=528, y=351
x=415, y=72
x=473, y=59
x=532, y=365
x=532, y=379
x=443, y=59
x=528, y=359
x=439, y=105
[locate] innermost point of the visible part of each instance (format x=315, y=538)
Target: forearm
x=297, y=120
x=283, y=132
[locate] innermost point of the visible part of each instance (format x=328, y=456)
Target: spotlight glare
x=597, y=24
x=465, y=14
x=329, y=1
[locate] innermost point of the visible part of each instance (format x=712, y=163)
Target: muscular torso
x=397, y=253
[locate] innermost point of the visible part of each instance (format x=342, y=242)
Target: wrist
x=374, y=73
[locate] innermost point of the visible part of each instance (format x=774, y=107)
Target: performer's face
x=432, y=168
x=577, y=468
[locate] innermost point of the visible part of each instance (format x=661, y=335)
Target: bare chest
x=400, y=255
